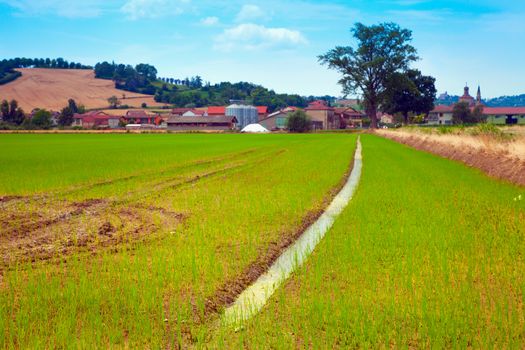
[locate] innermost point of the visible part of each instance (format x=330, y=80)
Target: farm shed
x=202, y=123
x=276, y=121
x=96, y=119
x=322, y=116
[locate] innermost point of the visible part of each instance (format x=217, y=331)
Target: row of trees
x=22, y=62
x=8, y=66
x=195, y=82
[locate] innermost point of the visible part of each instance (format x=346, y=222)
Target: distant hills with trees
x=194, y=92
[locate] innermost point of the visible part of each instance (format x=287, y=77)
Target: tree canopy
x=409, y=92
x=41, y=119
x=299, y=121
x=463, y=114
x=381, y=51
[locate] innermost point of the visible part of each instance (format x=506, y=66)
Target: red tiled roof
x=262, y=109
x=216, y=110
x=318, y=105
x=504, y=110
x=347, y=111
x=179, y=110
x=195, y=111
x=442, y=109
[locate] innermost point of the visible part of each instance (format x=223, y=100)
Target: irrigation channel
x=253, y=298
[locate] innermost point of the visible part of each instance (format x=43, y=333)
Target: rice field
x=122, y=240
x=428, y=254
x=140, y=241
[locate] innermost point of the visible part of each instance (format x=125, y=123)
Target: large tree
x=409, y=92
x=381, y=51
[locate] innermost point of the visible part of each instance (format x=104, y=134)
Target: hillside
x=51, y=88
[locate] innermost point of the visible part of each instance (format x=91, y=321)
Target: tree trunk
x=372, y=114
x=405, y=117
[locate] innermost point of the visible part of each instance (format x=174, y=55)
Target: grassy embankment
x=429, y=253
x=143, y=281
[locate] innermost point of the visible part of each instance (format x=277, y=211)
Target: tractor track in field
x=24, y=230
x=9, y=199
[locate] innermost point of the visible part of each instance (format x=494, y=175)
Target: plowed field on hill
x=51, y=88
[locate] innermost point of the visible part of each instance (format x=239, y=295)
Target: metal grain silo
x=245, y=114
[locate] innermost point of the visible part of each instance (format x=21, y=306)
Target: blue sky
x=273, y=43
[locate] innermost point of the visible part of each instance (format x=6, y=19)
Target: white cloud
x=251, y=36
x=63, y=8
x=249, y=13
x=209, y=21
x=136, y=9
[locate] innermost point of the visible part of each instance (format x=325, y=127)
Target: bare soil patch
x=41, y=229
x=497, y=162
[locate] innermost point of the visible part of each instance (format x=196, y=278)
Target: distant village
x=236, y=116
x=239, y=115
x=443, y=114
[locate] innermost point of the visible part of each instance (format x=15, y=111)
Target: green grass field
x=428, y=254
x=143, y=281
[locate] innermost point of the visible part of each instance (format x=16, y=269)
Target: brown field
x=51, y=88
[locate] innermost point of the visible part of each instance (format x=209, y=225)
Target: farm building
x=277, y=120
x=141, y=117
x=262, y=111
x=206, y=123
x=505, y=115
x=179, y=111
x=442, y=115
x=349, y=117
x=322, y=115
x=95, y=119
